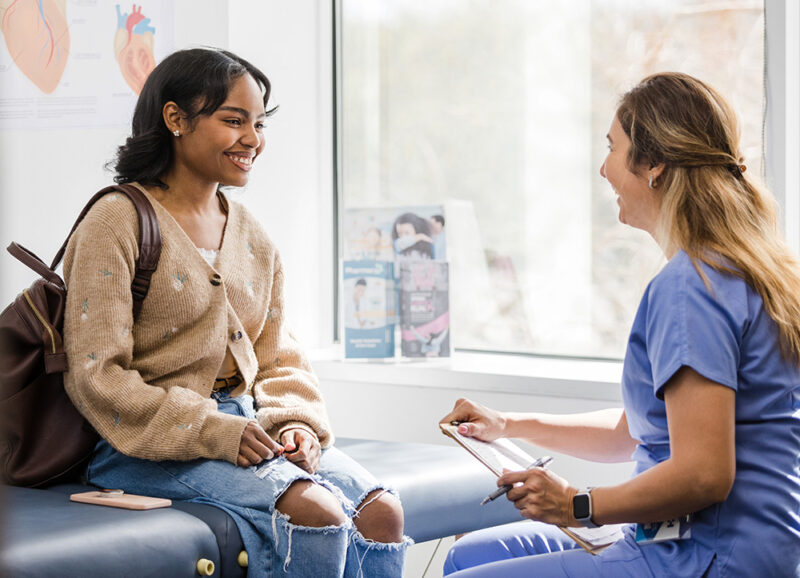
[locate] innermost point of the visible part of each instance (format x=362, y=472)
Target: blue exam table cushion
x=47, y=535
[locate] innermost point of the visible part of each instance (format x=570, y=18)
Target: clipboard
x=503, y=453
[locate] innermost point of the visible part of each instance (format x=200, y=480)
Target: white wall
x=291, y=191
x=47, y=176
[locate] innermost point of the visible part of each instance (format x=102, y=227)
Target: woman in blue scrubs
x=711, y=378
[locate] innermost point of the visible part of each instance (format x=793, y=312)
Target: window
x=498, y=110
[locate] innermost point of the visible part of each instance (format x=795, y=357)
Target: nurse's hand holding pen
x=541, y=495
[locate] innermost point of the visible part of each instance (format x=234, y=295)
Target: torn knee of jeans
x=344, y=502
x=348, y=506
x=364, y=500
x=286, y=518
x=289, y=529
x=363, y=547
x=367, y=544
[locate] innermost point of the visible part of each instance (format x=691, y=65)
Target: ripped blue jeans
x=275, y=547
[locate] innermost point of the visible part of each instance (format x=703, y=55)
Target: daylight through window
x=498, y=110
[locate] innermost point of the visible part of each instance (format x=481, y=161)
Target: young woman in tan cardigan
x=208, y=397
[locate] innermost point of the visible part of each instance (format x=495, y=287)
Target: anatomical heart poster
x=78, y=63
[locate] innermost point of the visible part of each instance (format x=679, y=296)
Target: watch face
x=580, y=506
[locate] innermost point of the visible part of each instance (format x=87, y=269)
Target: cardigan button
x=236, y=336
x=215, y=280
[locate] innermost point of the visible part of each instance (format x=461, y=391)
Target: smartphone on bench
x=119, y=499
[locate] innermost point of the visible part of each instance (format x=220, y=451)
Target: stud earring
x=176, y=132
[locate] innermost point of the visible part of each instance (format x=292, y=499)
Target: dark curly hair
x=198, y=81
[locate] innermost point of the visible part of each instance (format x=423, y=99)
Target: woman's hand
x=541, y=495
x=479, y=421
x=302, y=449
x=256, y=446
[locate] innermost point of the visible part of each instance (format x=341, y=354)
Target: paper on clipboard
x=595, y=540
x=496, y=455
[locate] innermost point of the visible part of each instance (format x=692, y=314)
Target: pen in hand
x=538, y=463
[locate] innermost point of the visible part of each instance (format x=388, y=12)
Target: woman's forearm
x=666, y=491
x=600, y=436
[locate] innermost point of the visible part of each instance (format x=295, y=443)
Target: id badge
x=676, y=529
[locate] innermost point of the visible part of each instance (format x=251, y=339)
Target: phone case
x=120, y=500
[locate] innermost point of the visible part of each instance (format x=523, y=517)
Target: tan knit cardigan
x=146, y=386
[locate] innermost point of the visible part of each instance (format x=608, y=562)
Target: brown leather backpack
x=44, y=439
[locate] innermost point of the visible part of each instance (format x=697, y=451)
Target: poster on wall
x=78, y=63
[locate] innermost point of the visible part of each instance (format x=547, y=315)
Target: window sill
x=481, y=372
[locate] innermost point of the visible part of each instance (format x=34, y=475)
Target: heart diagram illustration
x=37, y=38
x=133, y=47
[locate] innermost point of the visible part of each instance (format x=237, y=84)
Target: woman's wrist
x=522, y=425
x=570, y=520
x=299, y=426
x=511, y=423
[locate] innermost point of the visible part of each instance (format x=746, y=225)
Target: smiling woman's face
x=639, y=205
x=221, y=147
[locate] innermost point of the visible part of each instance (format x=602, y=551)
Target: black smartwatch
x=582, y=508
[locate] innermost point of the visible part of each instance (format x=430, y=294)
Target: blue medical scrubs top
x=726, y=335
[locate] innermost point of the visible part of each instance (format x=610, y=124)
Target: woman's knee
x=309, y=504
x=380, y=517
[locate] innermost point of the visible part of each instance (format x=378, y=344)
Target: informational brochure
x=424, y=309
x=368, y=309
x=395, y=233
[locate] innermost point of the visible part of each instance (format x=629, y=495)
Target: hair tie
x=737, y=170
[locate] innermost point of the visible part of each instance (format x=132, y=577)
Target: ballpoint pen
x=538, y=463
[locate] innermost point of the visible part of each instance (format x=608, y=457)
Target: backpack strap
x=149, y=245
x=30, y=259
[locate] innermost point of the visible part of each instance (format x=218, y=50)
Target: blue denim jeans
x=275, y=547
x=528, y=548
